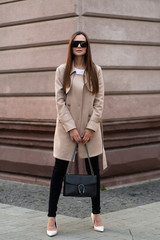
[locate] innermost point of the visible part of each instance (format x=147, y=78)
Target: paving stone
x=36, y=198
x=20, y=223
x=129, y=213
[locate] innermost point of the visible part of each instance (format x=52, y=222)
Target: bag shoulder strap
x=70, y=164
x=74, y=151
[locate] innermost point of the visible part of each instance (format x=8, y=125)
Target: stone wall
x=125, y=39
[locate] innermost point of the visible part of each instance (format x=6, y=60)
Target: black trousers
x=59, y=171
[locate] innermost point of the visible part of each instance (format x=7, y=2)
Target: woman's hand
x=74, y=135
x=87, y=135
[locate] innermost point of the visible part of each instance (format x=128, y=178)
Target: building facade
x=125, y=42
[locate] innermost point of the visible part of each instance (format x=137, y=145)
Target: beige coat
x=80, y=109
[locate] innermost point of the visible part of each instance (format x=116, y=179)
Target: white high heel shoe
x=97, y=228
x=52, y=233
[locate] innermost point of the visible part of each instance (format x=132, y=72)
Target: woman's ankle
x=97, y=219
x=51, y=223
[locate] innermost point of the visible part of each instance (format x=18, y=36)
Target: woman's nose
x=79, y=45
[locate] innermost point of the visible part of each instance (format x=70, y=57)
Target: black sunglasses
x=83, y=44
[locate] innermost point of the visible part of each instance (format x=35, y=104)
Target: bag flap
x=80, y=179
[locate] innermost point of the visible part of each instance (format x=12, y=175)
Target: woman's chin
x=79, y=54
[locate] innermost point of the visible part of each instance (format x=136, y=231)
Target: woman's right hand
x=74, y=135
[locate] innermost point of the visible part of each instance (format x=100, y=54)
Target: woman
x=79, y=95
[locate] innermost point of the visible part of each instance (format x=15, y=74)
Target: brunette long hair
x=92, y=77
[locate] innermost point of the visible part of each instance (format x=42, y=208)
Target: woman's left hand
x=87, y=135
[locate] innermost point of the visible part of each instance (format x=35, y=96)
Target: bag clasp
x=81, y=188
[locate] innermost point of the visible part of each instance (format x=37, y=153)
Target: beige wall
x=125, y=42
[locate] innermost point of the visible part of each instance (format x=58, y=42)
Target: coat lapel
x=71, y=76
x=72, y=73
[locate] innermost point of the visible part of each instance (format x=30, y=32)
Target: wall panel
x=137, y=9
x=9, y=1
x=30, y=59
x=37, y=10
x=116, y=107
x=28, y=108
x=131, y=81
x=33, y=161
x=114, y=56
x=121, y=31
x=30, y=83
x=131, y=107
x=132, y=160
x=116, y=82
x=126, y=56
x=36, y=34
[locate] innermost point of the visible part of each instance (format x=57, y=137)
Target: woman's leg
x=59, y=171
x=95, y=200
x=98, y=226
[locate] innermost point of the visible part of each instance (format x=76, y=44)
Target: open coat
x=78, y=108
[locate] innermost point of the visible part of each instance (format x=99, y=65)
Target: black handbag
x=80, y=185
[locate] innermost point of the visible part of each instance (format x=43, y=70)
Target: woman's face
x=79, y=51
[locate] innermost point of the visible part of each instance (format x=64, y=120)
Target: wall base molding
x=131, y=179
x=112, y=182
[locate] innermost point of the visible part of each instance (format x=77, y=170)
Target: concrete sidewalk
x=139, y=223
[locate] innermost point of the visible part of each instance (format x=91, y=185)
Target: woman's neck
x=79, y=62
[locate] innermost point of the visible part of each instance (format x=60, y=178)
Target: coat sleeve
x=63, y=112
x=97, y=105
